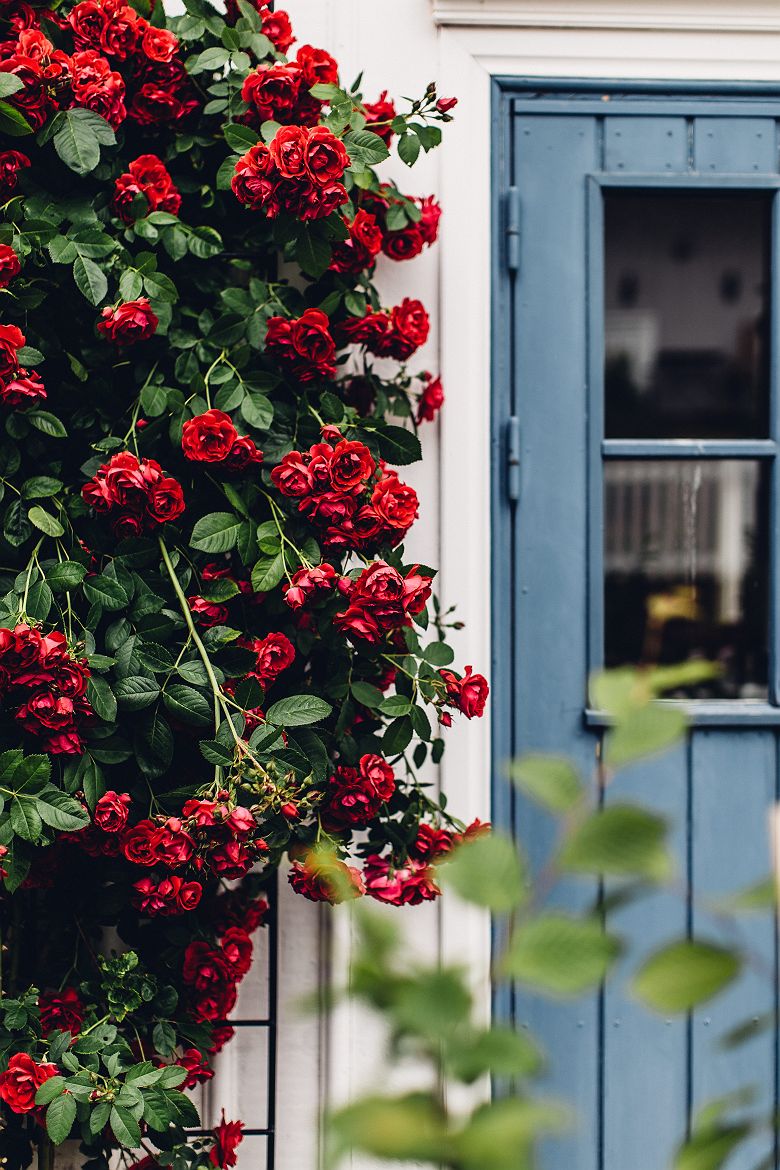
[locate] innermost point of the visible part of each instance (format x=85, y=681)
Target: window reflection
x=686, y=285
x=686, y=567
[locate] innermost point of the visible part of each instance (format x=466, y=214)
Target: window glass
x=687, y=312
x=686, y=567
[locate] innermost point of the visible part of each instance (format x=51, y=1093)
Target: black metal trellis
x=269, y=1022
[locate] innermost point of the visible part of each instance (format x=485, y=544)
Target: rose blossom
x=227, y=1138
x=128, y=323
x=111, y=811
x=9, y=265
x=325, y=879
x=23, y=388
x=468, y=694
x=22, y=1080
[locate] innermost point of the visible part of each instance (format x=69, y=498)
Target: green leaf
x=10, y=83
x=644, y=732
x=488, y=871
x=78, y=139
x=38, y=487
x=619, y=839
x=398, y=736
x=60, y=1117
x=160, y=287
x=61, y=811
x=410, y=1128
x=125, y=1127
x=240, y=138
x=549, y=780
x=214, y=752
x=107, y=592
x=312, y=251
x=12, y=121
x=367, y=695
x=25, y=821
x=39, y=601
x=102, y=698
x=501, y=1052
x=297, y=711
x=49, y=1090
x=136, y=692
x=267, y=573
x=66, y=575
x=503, y=1134
x=257, y=411
x=560, y=955
x=409, y=149
x=365, y=147
x=48, y=423
x=712, y=1149
x=685, y=974
x=439, y=654
x=398, y=446
x=90, y=280
x=44, y=521
x=216, y=533
x=188, y=704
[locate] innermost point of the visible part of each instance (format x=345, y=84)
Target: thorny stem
x=219, y=700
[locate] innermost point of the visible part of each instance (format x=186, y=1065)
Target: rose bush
x=213, y=652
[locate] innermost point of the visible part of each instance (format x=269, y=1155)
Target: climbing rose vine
x=214, y=654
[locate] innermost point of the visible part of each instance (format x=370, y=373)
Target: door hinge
x=513, y=229
x=513, y=457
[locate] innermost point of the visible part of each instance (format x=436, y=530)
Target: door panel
x=634, y=1078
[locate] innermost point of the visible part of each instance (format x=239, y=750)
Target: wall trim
x=667, y=15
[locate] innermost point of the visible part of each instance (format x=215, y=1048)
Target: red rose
x=22, y=1080
x=382, y=600
x=305, y=343
x=277, y=27
x=288, y=151
x=159, y=44
x=325, y=157
x=173, y=846
x=231, y=861
x=395, y=503
x=410, y=326
x=227, y=1139
x=237, y=949
x=429, y=221
x=24, y=388
x=146, y=176
x=189, y=895
x=96, y=87
x=355, y=797
x=11, y=339
x=240, y=822
x=273, y=654
x=404, y=244
x=205, y=967
x=11, y=163
x=431, y=399
x=139, y=843
x=128, y=323
x=208, y=613
x=325, y=879
x=253, y=183
x=351, y=465
x=209, y=437
x=362, y=247
x=166, y=501
x=198, y=1069
x=9, y=265
x=111, y=811
x=467, y=694
x=87, y=20
x=61, y=1011
x=119, y=35
x=444, y=105
x=317, y=66
x=243, y=454
x=379, y=115
x=273, y=93
x=292, y=477
x=432, y=843
x=313, y=201
x=404, y=885
x=307, y=582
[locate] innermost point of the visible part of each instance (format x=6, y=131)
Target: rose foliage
x=214, y=654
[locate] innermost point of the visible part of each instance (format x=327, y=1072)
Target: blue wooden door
x=636, y=519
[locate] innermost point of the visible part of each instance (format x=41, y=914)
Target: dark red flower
x=61, y=1011
x=198, y=1069
x=111, y=811
x=431, y=399
x=379, y=115
x=11, y=163
x=407, y=884
x=9, y=265
x=237, y=949
x=22, y=1080
x=208, y=613
x=361, y=249
x=22, y=388
x=227, y=1138
x=468, y=694
x=145, y=177
x=317, y=66
x=11, y=340
x=304, y=343
x=382, y=601
x=273, y=654
x=128, y=323
x=209, y=437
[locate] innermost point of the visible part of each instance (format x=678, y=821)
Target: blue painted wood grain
x=633, y=1077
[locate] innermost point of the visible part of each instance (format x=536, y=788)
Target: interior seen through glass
x=687, y=312
x=686, y=572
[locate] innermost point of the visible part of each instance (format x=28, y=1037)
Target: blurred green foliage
x=430, y=1012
